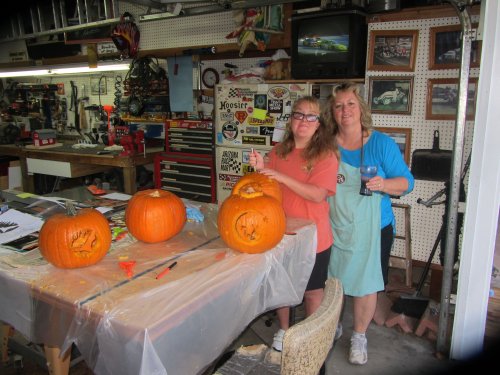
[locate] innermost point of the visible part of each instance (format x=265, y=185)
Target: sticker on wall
x=275, y=106
x=227, y=116
x=266, y=131
x=227, y=181
x=229, y=161
x=260, y=101
x=240, y=116
x=230, y=131
x=251, y=140
x=278, y=92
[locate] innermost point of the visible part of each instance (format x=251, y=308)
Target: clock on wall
x=210, y=77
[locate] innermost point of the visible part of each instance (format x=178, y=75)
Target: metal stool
x=406, y=262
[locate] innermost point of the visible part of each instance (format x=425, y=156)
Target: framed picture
x=390, y=95
x=394, y=50
x=445, y=51
x=442, y=99
x=402, y=137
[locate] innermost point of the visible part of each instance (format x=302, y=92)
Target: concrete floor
x=390, y=351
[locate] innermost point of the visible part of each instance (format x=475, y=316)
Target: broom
x=414, y=305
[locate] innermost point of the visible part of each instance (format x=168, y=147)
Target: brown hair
x=366, y=117
x=321, y=143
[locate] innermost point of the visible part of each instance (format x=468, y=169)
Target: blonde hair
x=321, y=144
x=366, y=117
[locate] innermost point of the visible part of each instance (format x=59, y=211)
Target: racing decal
x=252, y=130
x=266, y=130
x=278, y=92
x=251, y=140
x=227, y=181
x=228, y=106
x=226, y=116
x=283, y=118
x=240, y=116
x=230, y=130
x=275, y=106
x=256, y=122
x=229, y=162
x=260, y=101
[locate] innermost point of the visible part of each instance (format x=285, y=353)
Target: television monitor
x=329, y=44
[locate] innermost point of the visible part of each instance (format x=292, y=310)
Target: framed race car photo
x=390, y=95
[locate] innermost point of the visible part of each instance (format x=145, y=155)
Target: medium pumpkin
x=259, y=182
x=76, y=238
x=250, y=221
x=155, y=215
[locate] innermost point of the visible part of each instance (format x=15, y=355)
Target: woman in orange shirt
x=305, y=164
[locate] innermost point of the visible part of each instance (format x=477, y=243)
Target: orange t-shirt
x=323, y=174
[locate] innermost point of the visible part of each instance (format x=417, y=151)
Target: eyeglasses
x=309, y=117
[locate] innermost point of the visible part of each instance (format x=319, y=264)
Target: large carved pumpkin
x=75, y=239
x=155, y=215
x=259, y=182
x=250, y=221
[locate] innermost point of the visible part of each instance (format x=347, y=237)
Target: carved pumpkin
x=76, y=238
x=259, y=182
x=250, y=221
x=155, y=215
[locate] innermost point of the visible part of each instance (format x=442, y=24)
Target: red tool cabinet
x=187, y=168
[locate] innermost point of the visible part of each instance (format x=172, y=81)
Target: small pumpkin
x=250, y=221
x=259, y=182
x=76, y=238
x=155, y=215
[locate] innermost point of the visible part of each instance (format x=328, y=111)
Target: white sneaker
x=278, y=340
x=358, y=354
x=338, y=333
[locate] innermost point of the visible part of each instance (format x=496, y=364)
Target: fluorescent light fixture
x=66, y=70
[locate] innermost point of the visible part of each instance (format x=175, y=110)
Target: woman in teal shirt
x=363, y=226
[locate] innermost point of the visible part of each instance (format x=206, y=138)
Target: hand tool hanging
x=74, y=105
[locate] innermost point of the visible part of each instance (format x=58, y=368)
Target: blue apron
x=355, y=220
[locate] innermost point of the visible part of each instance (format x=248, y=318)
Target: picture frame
x=442, y=99
x=390, y=95
x=393, y=50
x=445, y=50
x=402, y=137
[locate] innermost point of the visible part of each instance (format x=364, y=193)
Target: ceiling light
x=79, y=69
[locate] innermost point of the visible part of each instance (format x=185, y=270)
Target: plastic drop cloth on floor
x=176, y=325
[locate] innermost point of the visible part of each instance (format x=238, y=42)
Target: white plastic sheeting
x=178, y=324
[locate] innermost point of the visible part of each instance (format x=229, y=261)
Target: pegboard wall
x=425, y=221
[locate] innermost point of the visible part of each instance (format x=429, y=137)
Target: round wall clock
x=210, y=77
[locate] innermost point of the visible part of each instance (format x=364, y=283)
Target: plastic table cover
x=178, y=324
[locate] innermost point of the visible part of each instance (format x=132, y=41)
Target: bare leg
x=312, y=300
x=283, y=314
x=364, y=309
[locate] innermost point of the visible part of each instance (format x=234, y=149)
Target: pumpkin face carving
x=250, y=221
x=75, y=239
x=155, y=215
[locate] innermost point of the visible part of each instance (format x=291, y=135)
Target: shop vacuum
x=430, y=165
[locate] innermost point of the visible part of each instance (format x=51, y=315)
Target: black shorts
x=319, y=273
x=386, y=240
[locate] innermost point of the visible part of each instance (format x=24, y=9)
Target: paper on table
x=15, y=224
x=117, y=196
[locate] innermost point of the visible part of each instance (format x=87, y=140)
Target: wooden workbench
x=80, y=162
